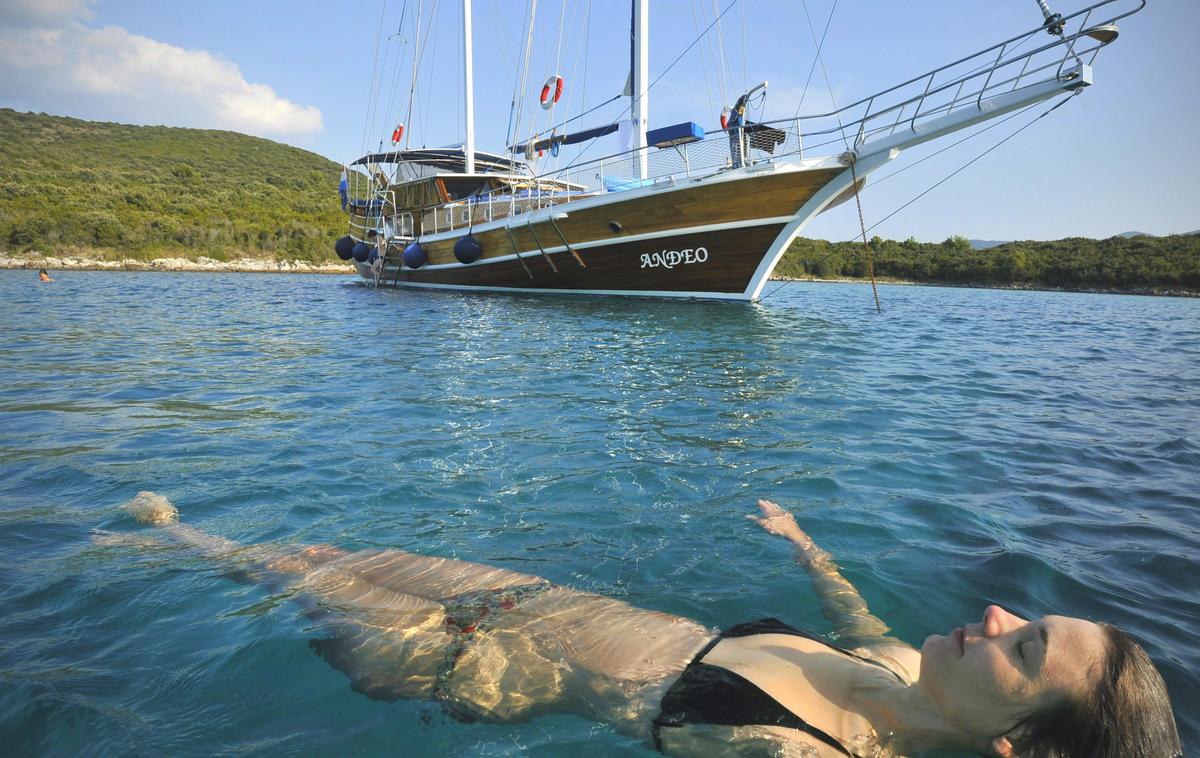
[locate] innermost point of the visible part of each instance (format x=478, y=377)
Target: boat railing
x=376, y=215
x=1027, y=59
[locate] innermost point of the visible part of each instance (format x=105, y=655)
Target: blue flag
x=343, y=189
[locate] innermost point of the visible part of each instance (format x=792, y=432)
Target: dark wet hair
x=42, y=271
x=1127, y=714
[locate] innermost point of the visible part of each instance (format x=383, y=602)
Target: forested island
x=114, y=192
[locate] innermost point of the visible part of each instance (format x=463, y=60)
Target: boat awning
x=452, y=159
x=569, y=139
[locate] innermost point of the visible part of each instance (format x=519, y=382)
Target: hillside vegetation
x=1123, y=263
x=151, y=191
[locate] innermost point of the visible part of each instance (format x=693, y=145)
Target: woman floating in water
x=496, y=645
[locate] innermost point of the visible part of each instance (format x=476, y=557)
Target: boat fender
x=373, y=256
x=361, y=251
x=344, y=247
x=724, y=118
x=397, y=134
x=414, y=255
x=551, y=91
x=467, y=249
x=554, y=149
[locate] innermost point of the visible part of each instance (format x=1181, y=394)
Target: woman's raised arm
x=840, y=602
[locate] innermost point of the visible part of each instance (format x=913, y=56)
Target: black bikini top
x=708, y=694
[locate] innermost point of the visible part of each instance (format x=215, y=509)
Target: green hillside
x=1122, y=263
x=149, y=191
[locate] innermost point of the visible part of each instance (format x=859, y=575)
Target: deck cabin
x=405, y=194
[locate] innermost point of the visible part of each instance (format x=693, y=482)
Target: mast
x=469, y=87
x=640, y=107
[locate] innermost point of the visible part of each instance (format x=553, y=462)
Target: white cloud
x=113, y=73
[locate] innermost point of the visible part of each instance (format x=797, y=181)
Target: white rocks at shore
x=248, y=265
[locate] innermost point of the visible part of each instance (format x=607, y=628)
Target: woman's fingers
x=770, y=509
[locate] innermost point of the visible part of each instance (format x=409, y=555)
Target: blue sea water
x=1038, y=450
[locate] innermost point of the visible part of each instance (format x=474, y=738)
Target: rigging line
x=714, y=53
x=587, y=55
x=745, y=76
x=629, y=107
x=782, y=284
x=412, y=86
x=519, y=94
x=512, y=107
x=972, y=135
x=437, y=17
x=1033, y=121
x=703, y=62
x=504, y=32
x=562, y=17
x=812, y=68
x=374, y=65
x=721, y=47
x=399, y=57
x=832, y=99
x=579, y=52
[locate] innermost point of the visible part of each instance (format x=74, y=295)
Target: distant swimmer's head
x=43, y=276
x=1055, y=686
x=151, y=508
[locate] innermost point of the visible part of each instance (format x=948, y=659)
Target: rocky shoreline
x=201, y=264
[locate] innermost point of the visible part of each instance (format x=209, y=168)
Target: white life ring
x=551, y=92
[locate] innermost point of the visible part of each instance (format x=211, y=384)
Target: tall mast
x=641, y=78
x=469, y=83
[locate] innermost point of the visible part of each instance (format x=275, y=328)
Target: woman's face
x=986, y=676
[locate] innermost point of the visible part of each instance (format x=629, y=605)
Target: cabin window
x=460, y=189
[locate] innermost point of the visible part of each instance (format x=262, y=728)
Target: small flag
x=344, y=188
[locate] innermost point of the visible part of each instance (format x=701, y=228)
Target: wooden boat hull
x=714, y=263
x=718, y=237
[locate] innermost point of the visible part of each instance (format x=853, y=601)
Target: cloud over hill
x=51, y=60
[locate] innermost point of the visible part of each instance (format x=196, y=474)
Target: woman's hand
x=778, y=521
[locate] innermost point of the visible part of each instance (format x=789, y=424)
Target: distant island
x=85, y=194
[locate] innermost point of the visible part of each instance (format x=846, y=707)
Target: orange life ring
x=397, y=133
x=551, y=91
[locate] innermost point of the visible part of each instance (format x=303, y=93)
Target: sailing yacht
x=684, y=211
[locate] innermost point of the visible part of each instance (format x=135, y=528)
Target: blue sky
x=1121, y=157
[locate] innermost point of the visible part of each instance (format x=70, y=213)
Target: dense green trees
x=1074, y=263
x=149, y=191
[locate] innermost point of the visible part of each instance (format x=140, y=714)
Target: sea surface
x=1033, y=449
